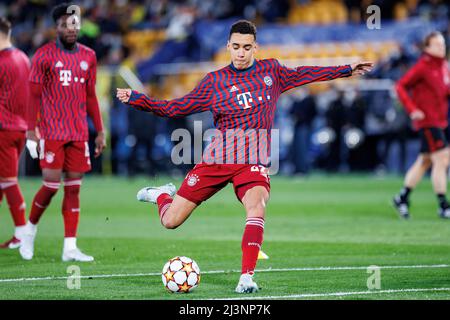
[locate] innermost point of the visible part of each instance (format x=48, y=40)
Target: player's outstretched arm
x=198, y=100
x=142, y=102
x=295, y=77
x=123, y=95
x=361, y=68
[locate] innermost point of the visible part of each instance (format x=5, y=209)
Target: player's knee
x=74, y=175
x=53, y=177
x=425, y=162
x=440, y=160
x=446, y=159
x=256, y=210
x=170, y=224
x=256, y=207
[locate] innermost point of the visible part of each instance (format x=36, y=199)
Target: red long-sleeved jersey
x=241, y=100
x=14, y=92
x=62, y=85
x=426, y=87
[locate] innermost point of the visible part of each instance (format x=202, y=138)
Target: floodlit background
x=165, y=47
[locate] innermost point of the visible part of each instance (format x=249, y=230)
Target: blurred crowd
x=336, y=131
x=355, y=129
x=106, y=22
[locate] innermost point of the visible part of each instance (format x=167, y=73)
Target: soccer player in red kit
x=62, y=82
x=424, y=91
x=242, y=95
x=14, y=72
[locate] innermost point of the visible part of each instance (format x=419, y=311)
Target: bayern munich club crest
x=192, y=180
x=49, y=157
x=268, y=81
x=84, y=65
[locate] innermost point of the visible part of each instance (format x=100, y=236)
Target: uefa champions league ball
x=181, y=275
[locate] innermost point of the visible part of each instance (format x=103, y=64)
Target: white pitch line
x=335, y=294
x=354, y=268
x=97, y=276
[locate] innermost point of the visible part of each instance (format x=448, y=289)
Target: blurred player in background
x=424, y=92
x=14, y=92
x=242, y=95
x=62, y=83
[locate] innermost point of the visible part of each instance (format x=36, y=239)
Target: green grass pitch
x=321, y=235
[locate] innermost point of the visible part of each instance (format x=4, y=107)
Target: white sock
x=19, y=231
x=246, y=277
x=32, y=228
x=70, y=243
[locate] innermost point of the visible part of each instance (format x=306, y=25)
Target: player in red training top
x=428, y=82
x=14, y=72
x=62, y=82
x=242, y=95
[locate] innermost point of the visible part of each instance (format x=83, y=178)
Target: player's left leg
x=77, y=162
x=254, y=201
x=412, y=179
x=71, y=217
x=252, y=187
x=440, y=160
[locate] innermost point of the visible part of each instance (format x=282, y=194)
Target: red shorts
x=11, y=146
x=204, y=180
x=70, y=156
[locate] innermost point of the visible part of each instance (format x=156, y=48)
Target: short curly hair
x=243, y=27
x=60, y=10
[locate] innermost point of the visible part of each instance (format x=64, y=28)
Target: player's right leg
x=412, y=179
x=172, y=211
x=201, y=183
x=71, y=216
x=177, y=212
x=76, y=164
x=50, y=186
x=10, y=187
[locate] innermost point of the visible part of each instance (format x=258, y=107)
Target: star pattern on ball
x=188, y=268
x=169, y=275
x=184, y=287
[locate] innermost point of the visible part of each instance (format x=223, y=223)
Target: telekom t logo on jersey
x=242, y=98
x=246, y=99
x=65, y=76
